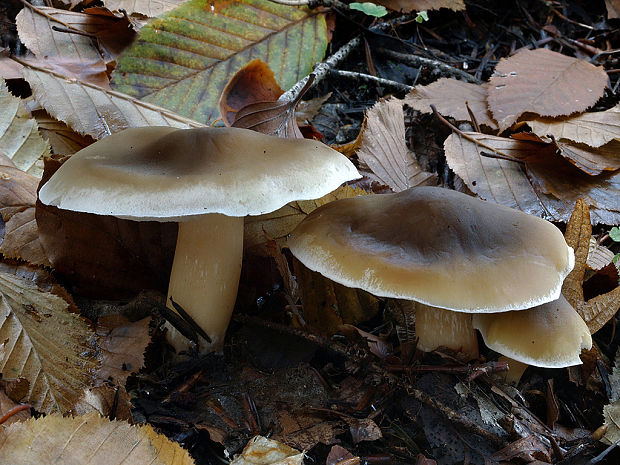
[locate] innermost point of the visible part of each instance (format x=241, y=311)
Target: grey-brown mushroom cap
x=165, y=174
x=551, y=335
x=438, y=247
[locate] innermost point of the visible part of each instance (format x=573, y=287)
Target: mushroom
x=207, y=179
x=441, y=248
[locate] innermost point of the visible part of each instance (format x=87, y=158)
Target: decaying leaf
x=598, y=255
x=263, y=451
x=305, y=430
x=278, y=224
x=543, y=82
x=7, y=404
x=183, y=60
x=92, y=110
x=107, y=401
x=547, y=185
x=421, y=5
x=104, y=256
x=592, y=160
x=45, y=343
x=19, y=139
x=87, y=439
x=384, y=150
x=528, y=449
x=62, y=139
x=611, y=412
x=20, y=238
x=598, y=310
x=613, y=8
x=594, y=129
x=450, y=97
x=253, y=83
x=149, y=8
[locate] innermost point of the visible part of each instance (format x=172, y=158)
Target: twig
x=472, y=117
x=415, y=60
x=603, y=454
x=13, y=411
x=372, y=79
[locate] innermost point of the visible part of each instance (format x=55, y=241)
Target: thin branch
x=372, y=79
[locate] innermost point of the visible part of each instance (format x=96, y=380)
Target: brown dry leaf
x=9, y=68
x=450, y=97
x=106, y=401
x=545, y=83
x=305, y=430
x=88, y=439
x=253, y=83
x=527, y=449
x=308, y=109
x=19, y=138
x=592, y=160
x=45, y=343
x=598, y=256
x=7, y=404
x=16, y=389
x=384, y=149
x=278, y=224
x=71, y=53
x=104, y=256
x=547, y=186
x=122, y=345
x=420, y=5
x=600, y=309
x=613, y=8
x=364, y=429
x=62, y=139
x=594, y=129
x=20, y=235
x=149, y=8
x=263, y=451
x=94, y=111
x=340, y=456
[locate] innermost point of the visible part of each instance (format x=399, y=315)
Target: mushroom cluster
x=206, y=179
x=456, y=256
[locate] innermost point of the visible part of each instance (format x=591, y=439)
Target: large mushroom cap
x=438, y=247
x=157, y=173
x=550, y=335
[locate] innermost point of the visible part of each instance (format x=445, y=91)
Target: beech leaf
x=384, y=150
x=62, y=139
x=545, y=83
x=420, y=5
x=263, y=451
x=45, y=343
x=88, y=439
x=149, y=8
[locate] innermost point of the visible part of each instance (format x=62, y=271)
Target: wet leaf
x=45, y=343
x=594, y=129
x=253, y=83
x=545, y=83
x=87, y=439
x=94, y=111
x=547, y=186
x=183, y=60
x=19, y=139
x=420, y=5
x=384, y=150
x=149, y=8
x=600, y=309
x=263, y=451
x=450, y=97
x=18, y=194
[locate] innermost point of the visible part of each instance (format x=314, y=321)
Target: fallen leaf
x=600, y=309
x=16, y=389
x=19, y=138
x=384, y=150
x=107, y=401
x=122, y=345
x=183, y=60
x=253, y=83
x=545, y=83
x=338, y=455
x=104, y=256
x=149, y=8
x=94, y=111
x=547, y=186
x=9, y=68
x=527, y=449
x=592, y=160
x=45, y=343
x=87, y=439
x=305, y=430
x=263, y=451
x=598, y=256
x=7, y=404
x=613, y=9
x=278, y=224
x=62, y=139
x=20, y=235
x=421, y=5
x=594, y=129
x=611, y=412
x=308, y=109
x=364, y=429
x=450, y=97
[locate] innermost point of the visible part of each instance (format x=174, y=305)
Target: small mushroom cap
x=438, y=247
x=550, y=335
x=166, y=174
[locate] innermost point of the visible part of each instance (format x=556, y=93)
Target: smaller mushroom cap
x=550, y=335
x=438, y=247
x=167, y=174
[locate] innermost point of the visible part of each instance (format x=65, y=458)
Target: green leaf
x=182, y=60
x=615, y=234
x=369, y=9
x=421, y=16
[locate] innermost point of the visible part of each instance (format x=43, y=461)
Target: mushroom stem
x=205, y=276
x=437, y=327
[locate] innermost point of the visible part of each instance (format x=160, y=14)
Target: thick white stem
x=205, y=276
x=436, y=327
